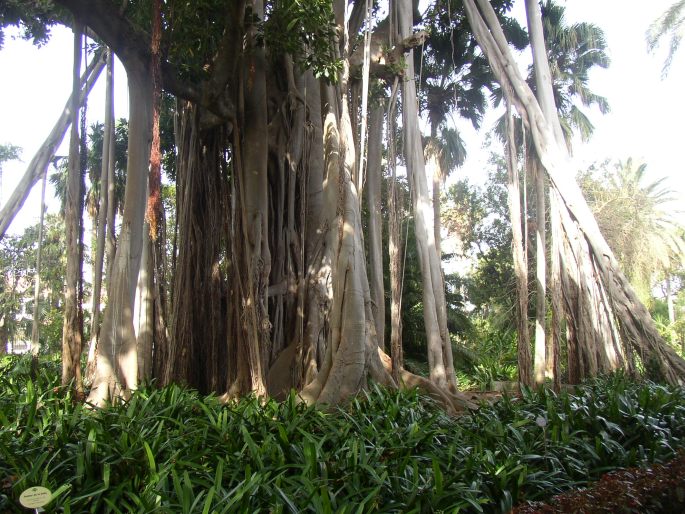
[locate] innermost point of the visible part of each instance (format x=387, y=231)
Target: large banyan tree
x=269, y=288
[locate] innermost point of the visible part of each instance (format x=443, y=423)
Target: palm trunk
x=71, y=333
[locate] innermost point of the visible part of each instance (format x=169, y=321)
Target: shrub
x=171, y=450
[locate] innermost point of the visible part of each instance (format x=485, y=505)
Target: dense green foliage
x=171, y=450
x=18, y=265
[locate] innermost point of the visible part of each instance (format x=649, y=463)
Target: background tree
x=670, y=24
x=18, y=257
x=638, y=219
x=8, y=152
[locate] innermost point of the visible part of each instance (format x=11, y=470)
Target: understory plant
x=172, y=450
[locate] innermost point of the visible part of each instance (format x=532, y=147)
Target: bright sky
x=645, y=120
x=35, y=86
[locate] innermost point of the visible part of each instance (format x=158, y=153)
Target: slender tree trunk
x=361, y=169
x=437, y=179
x=71, y=334
x=669, y=299
x=110, y=230
x=107, y=140
x=555, y=289
x=35, y=330
x=434, y=306
x=520, y=264
x=543, y=80
x=375, y=237
x=40, y=162
x=540, y=362
x=671, y=308
x=395, y=242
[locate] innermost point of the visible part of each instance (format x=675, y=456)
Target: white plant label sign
x=35, y=497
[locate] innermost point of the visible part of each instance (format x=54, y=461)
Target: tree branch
x=131, y=45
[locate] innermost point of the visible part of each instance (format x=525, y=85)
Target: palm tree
x=636, y=217
x=573, y=50
x=670, y=23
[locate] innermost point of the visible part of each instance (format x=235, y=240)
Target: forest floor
x=659, y=488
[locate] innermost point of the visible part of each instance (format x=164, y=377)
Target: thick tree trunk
x=254, y=262
x=352, y=353
x=199, y=346
x=154, y=211
x=375, y=236
x=434, y=306
x=107, y=141
x=117, y=363
x=71, y=332
x=40, y=162
x=35, y=326
x=309, y=352
x=637, y=330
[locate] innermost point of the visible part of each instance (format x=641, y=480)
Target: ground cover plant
x=172, y=450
